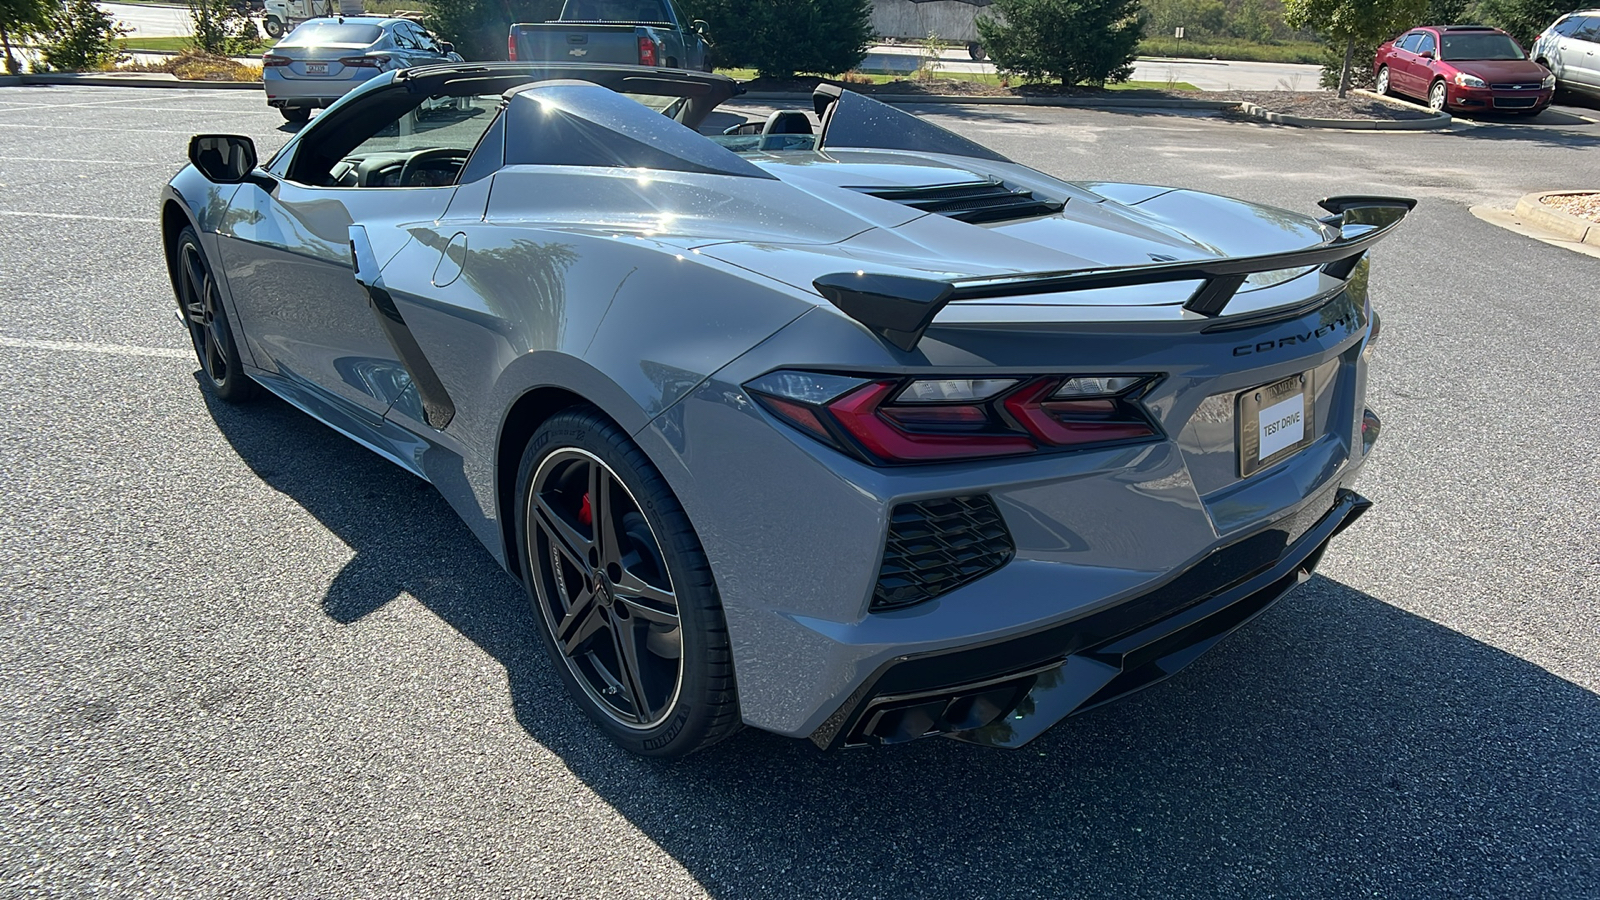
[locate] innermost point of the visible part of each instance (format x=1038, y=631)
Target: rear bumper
x=1007, y=693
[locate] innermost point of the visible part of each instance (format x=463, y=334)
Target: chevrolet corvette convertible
x=832, y=423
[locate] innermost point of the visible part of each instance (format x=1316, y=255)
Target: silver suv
x=1570, y=49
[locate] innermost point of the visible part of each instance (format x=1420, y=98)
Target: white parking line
x=93, y=128
x=18, y=214
x=105, y=162
x=88, y=347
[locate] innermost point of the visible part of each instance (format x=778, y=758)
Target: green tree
x=22, y=19
x=779, y=38
x=479, y=28
x=1525, y=19
x=1448, y=12
x=1076, y=41
x=1351, y=24
x=223, y=28
x=80, y=37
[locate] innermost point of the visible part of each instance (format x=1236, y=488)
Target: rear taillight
x=273, y=61
x=899, y=420
x=647, y=52
x=364, y=62
x=511, y=46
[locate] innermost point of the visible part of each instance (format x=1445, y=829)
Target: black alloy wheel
x=200, y=304
x=625, y=595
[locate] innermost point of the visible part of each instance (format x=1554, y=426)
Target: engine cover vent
x=972, y=201
x=936, y=546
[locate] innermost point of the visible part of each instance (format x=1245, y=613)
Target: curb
x=1129, y=103
x=1433, y=123
x=141, y=79
x=1557, y=222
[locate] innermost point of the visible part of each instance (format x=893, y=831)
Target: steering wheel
x=416, y=160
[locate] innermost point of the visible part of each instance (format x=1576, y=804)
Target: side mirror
x=446, y=47
x=1426, y=54
x=223, y=158
x=699, y=26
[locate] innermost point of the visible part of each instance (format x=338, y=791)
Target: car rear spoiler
x=899, y=309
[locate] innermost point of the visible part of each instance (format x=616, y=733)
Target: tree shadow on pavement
x=1337, y=746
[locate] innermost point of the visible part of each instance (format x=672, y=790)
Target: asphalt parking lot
x=244, y=657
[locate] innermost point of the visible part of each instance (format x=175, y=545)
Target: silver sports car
x=836, y=424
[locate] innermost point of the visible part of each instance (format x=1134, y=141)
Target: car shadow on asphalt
x=1336, y=746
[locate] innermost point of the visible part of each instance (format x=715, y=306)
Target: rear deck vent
x=936, y=546
x=973, y=201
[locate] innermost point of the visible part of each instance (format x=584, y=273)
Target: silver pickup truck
x=633, y=32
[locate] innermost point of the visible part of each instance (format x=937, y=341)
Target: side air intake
x=936, y=546
x=974, y=201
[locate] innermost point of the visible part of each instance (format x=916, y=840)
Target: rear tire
x=295, y=113
x=626, y=603
x=200, y=304
x=273, y=26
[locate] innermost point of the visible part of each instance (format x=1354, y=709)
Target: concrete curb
x=1089, y=102
x=1557, y=222
x=133, y=79
x=1432, y=123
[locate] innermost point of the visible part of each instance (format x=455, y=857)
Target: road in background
x=245, y=657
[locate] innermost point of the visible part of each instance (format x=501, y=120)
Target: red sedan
x=1463, y=67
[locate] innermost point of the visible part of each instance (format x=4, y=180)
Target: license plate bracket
x=316, y=68
x=1274, y=421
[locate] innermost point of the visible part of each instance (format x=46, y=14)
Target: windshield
x=321, y=34
x=1479, y=46
x=614, y=11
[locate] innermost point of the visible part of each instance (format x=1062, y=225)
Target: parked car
x=633, y=32
x=323, y=59
x=1570, y=49
x=1463, y=68
x=865, y=437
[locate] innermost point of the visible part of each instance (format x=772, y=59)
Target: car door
x=1580, y=55
x=1401, y=61
x=1422, y=65
x=287, y=254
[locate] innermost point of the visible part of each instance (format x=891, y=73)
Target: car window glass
x=677, y=13
x=1427, y=44
x=426, y=41
x=614, y=11
x=1411, y=41
x=1480, y=45
x=323, y=34
x=403, y=38
x=1588, y=30
x=1567, y=26
x=435, y=138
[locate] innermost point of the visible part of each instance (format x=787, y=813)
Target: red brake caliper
x=586, y=513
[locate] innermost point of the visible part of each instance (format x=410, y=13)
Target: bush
x=1076, y=41
x=82, y=37
x=222, y=28
x=197, y=65
x=779, y=38
x=479, y=28
x=20, y=20
x=1524, y=19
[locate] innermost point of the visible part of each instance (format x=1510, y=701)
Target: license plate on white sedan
x=1275, y=422
x=316, y=68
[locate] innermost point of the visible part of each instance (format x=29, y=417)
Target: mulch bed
x=1584, y=206
x=1322, y=105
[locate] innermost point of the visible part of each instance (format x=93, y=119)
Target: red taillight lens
x=364, y=62
x=273, y=61
x=511, y=46
x=647, y=52
x=894, y=420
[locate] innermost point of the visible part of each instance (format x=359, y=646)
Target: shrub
x=222, y=28
x=21, y=19
x=1075, y=41
x=779, y=38
x=479, y=28
x=1524, y=19
x=82, y=37
x=197, y=65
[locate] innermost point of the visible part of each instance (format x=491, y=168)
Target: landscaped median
x=1574, y=215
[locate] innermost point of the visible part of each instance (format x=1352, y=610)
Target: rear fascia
x=794, y=530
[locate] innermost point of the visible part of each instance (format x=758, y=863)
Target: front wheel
x=200, y=303
x=1436, y=96
x=627, y=606
x=295, y=113
x=1381, y=85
